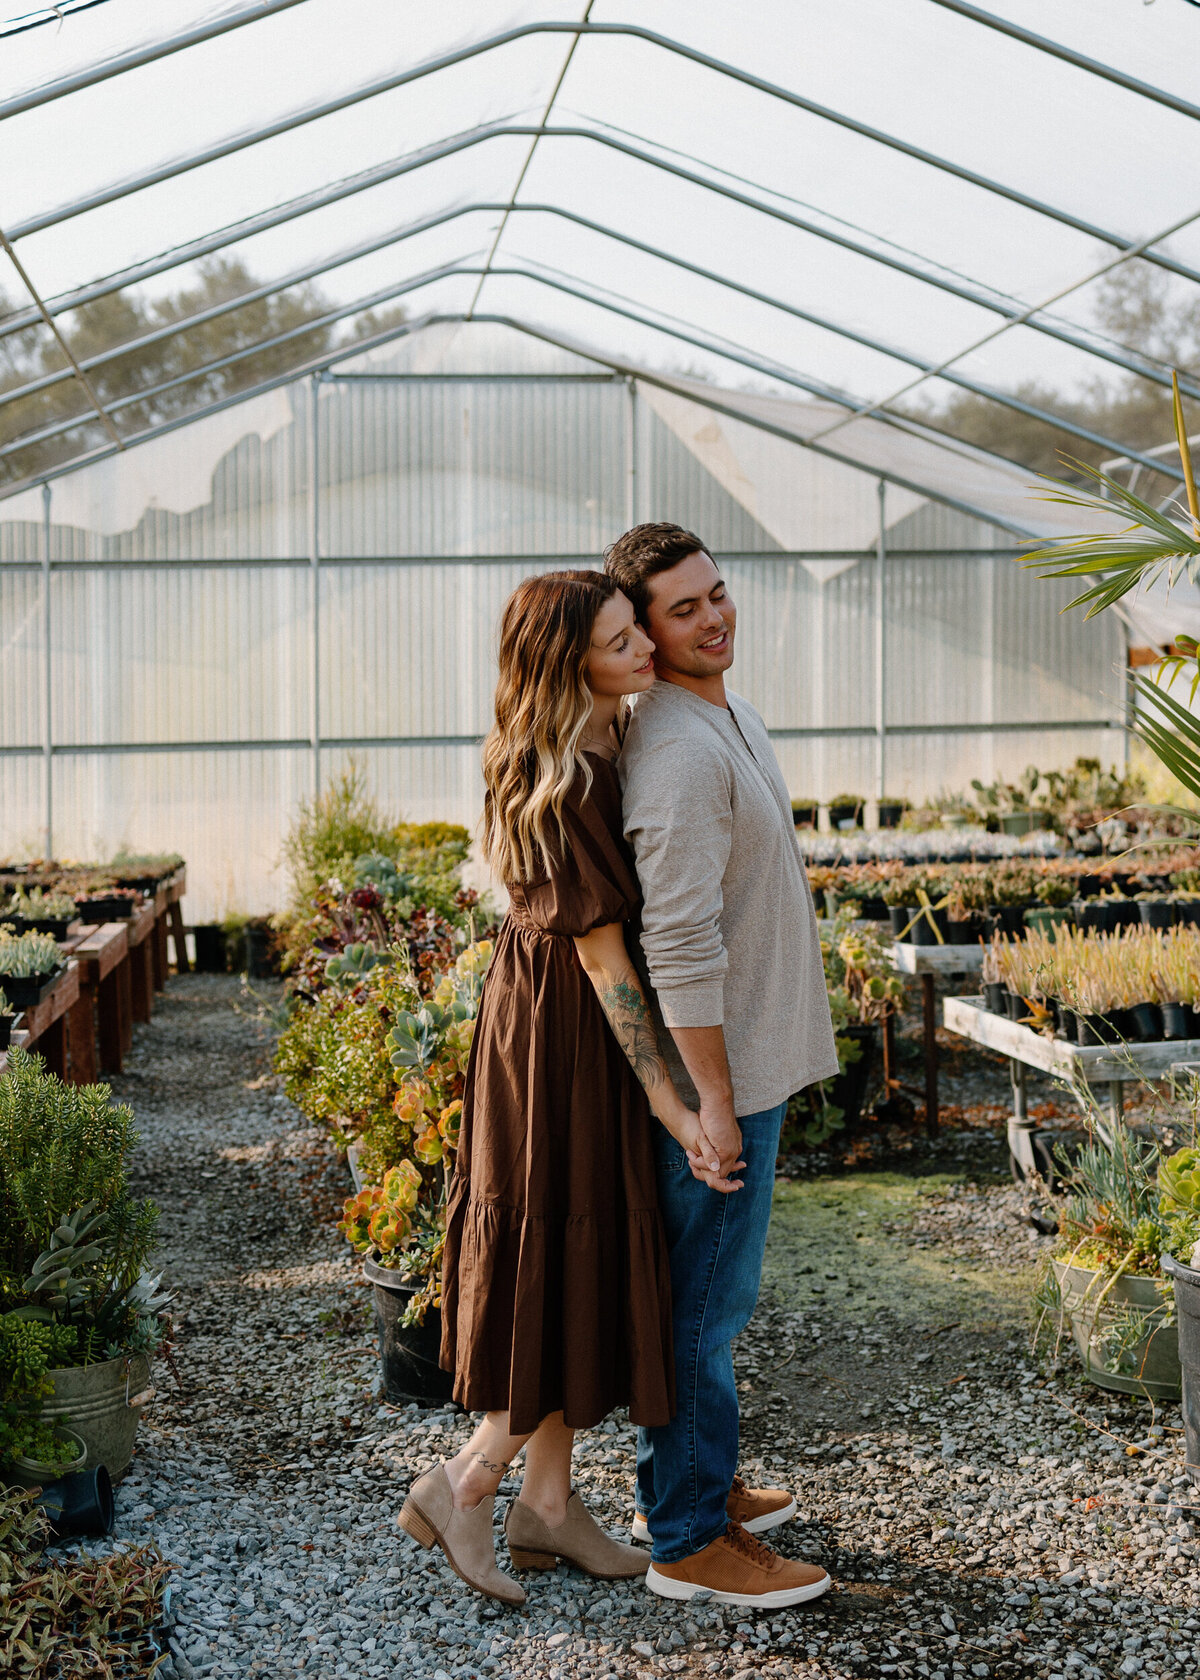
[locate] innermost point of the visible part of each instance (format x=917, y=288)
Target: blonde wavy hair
x=542, y=706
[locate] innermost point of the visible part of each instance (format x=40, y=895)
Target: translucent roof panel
x=869, y=204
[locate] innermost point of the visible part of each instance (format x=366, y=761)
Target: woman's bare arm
x=607, y=964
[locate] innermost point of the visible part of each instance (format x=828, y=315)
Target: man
x=730, y=946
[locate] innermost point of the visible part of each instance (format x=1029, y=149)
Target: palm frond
x=1170, y=731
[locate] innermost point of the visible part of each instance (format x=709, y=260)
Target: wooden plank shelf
x=1101, y=1064
x=937, y=959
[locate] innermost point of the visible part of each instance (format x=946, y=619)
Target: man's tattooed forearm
x=629, y=1018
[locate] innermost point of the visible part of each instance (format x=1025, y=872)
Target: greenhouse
x=324, y=324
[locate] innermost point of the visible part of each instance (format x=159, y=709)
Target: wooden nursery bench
x=100, y=1028
x=928, y=961
x=44, y=1028
x=1111, y=1065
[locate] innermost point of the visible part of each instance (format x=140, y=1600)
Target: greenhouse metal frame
x=868, y=434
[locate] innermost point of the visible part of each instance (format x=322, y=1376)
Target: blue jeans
x=686, y=1467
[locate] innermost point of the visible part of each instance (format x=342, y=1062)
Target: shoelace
x=749, y=1545
x=738, y=1486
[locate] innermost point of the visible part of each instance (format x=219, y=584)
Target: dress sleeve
x=590, y=882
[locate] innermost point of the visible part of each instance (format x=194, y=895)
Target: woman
x=556, y=1295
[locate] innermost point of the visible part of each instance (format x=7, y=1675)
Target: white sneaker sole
x=666, y=1587
x=640, y=1529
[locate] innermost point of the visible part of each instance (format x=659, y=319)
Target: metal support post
x=929, y=1011
x=880, y=645
x=1020, y=1127
x=631, y=455
x=48, y=680
x=314, y=563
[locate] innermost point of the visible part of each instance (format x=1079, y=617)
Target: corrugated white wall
x=435, y=497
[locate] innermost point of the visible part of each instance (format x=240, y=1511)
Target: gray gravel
x=981, y=1516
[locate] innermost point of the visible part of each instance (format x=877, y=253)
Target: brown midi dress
x=556, y=1284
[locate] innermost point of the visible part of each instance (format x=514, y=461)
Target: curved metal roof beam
x=380, y=173
x=355, y=252
x=1093, y=66
x=141, y=55
x=728, y=352
x=322, y=364
x=296, y=119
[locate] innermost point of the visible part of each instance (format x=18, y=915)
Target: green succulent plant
x=1179, y=1181
x=352, y=964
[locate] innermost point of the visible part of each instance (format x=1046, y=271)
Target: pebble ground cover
x=982, y=1515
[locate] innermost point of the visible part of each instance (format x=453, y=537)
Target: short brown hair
x=642, y=553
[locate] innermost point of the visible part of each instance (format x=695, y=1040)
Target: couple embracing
x=655, y=996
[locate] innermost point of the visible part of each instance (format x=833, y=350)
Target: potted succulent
x=968, y=903
x=30, y=963
x=398, y=1220
x=40, y=911
x=805, y=812
x=846, y=811
x=1104, y=1281
x=891, y=810
x=80, y=1315
x=863, y=991
x=8, y=1019
x=108, y=904
x=1179, y=1198
x=1054, y=894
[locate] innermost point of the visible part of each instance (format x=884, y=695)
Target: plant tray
x=56, y=927
x=27, y=991
x=95, y=910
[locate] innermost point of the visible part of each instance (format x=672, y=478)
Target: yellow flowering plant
x=407, y=1152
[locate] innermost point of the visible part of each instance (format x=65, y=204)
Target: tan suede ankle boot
x=579, y=1539
x=464, y=1536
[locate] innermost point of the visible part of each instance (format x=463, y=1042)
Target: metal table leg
x=1020, y=1126
x=931, y=1053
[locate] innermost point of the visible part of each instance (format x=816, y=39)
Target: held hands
x=703, y=1158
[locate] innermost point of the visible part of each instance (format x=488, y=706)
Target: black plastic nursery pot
x=79, y=1504
x=1187, y=1311
x=27, y=991
x=928, y=925
x=1188, y=912
x=1146, y=1022
x=1008, y=919
x=994, y=995
x=1157, y=912
x=846, y=816
x=805, y=816
x=112, y=909
x=1091, y=1030
x=408, y=1353
x=1176, y=1020
x=210, y=948
x=849, y=1089
x=969, y=930
x=899, y=915
x=890, y=813
x=7, y=1027
x=261, y=963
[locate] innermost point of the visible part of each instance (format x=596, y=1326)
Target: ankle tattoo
x=496, y=1469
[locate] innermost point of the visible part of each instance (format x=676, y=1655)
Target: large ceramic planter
x=103, y=1405
x=1149, y=1368
x=1187, y=1310
x=408, y=1353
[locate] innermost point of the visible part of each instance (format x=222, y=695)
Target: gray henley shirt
x=729, y=934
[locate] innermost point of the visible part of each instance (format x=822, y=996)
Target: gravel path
x=981, y=1516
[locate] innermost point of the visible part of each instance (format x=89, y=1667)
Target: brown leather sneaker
x=755, y=1509
x=738, y=1569
x=758, y=1509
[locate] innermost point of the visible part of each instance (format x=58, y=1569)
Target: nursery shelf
x=1114, y=1065
x=937, y=959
